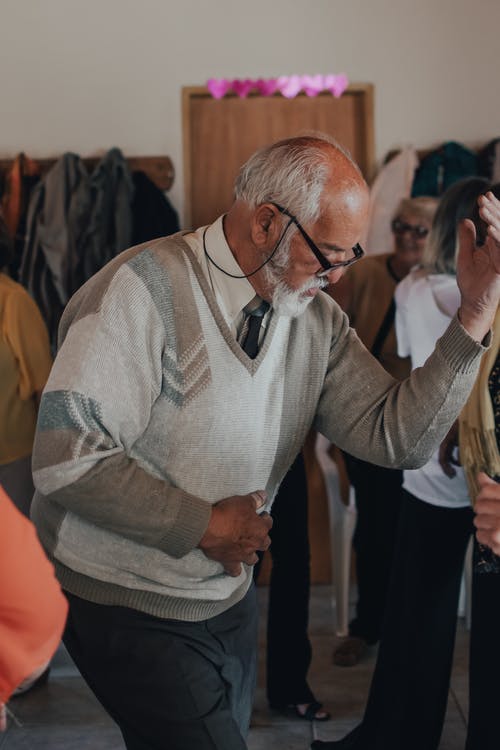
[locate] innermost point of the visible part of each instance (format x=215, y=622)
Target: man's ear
x=265, y=225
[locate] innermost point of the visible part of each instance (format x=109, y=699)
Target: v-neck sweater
x=152, y=413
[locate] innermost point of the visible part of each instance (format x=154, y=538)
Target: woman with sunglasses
x=366, y=293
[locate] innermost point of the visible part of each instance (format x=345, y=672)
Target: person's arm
x=372, y=416
x=32, y=606
x=478, y=270
x=487, y=509
x=402, y=424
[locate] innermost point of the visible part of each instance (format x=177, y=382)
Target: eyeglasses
x=418, y=231
x=325, y=264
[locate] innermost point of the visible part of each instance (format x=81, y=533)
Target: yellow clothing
x=479, y=450
x=372, y=288
x=25, y=363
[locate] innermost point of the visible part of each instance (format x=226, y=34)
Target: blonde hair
x=423, y=207
x=457, y=203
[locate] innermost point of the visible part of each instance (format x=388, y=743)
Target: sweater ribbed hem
x=460, y=350
x=190, y=525
x=158, y=605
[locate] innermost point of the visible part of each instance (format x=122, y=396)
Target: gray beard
x=288, y=302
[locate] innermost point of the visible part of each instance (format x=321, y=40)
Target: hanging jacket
x=109, y=223
x=489, y=161
x=152, y=213
x=19, y=183
x=49, y=247
x=442, y=167
x=76, y=223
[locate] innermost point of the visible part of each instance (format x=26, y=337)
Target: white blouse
x=425, y=304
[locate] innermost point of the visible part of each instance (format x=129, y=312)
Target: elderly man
x=172, y=414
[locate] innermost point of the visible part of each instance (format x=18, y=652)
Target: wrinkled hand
x=236, y=531
x=447, y=451
x=478, y=269
x=487, y=509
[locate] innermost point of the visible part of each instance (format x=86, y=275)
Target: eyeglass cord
x=245, y=275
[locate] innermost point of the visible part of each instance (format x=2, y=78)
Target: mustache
x=313, y=284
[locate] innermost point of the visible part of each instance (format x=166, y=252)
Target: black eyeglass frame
x=325, y=263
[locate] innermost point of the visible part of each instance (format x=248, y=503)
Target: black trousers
x=378, y=498
x=289, y=651
x=484, y=670
x=169, y=685
x=409, y=691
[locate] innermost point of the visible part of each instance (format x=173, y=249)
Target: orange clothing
x=32, y=607
x=25, y=363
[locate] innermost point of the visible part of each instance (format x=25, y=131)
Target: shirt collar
x=235, y=293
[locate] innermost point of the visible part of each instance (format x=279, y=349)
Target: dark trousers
x=288, y=647
x=169, y=684
x=17, y=481
x=484, y=670
x=409, y=691
x=378, y=497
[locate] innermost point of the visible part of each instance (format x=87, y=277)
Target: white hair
x=291, y=173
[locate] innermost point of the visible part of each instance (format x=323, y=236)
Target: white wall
x=85, y=75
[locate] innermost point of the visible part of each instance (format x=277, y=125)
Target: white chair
x=465, y=602
x=342, y=522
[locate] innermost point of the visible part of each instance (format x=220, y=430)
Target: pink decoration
x=242, y=87
x=336, y=84
x=288, y=86
x=266, y=86
x=218, y=87
x=312, y=85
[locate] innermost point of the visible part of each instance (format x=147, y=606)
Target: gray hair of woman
x=457, y=203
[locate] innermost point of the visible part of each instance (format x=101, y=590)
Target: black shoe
x=352, y=741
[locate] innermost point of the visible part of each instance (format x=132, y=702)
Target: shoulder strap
x=384, y=329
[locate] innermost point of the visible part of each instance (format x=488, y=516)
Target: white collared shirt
x=231, y=294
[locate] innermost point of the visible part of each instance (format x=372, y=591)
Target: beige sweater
x=153, y=412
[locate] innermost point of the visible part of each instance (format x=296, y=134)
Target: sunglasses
x=416, y=230
x=327, y=267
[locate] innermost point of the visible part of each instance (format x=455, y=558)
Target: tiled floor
x=64, y=715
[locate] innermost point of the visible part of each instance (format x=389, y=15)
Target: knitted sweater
x=153, y=412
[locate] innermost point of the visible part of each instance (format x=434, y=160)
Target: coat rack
x=159, y=169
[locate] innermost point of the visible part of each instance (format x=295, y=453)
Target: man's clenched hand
x=236, y=531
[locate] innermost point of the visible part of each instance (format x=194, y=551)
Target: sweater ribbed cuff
x=192, y=522
x=460, y=350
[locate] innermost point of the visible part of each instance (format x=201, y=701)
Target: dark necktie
x=249, y=336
